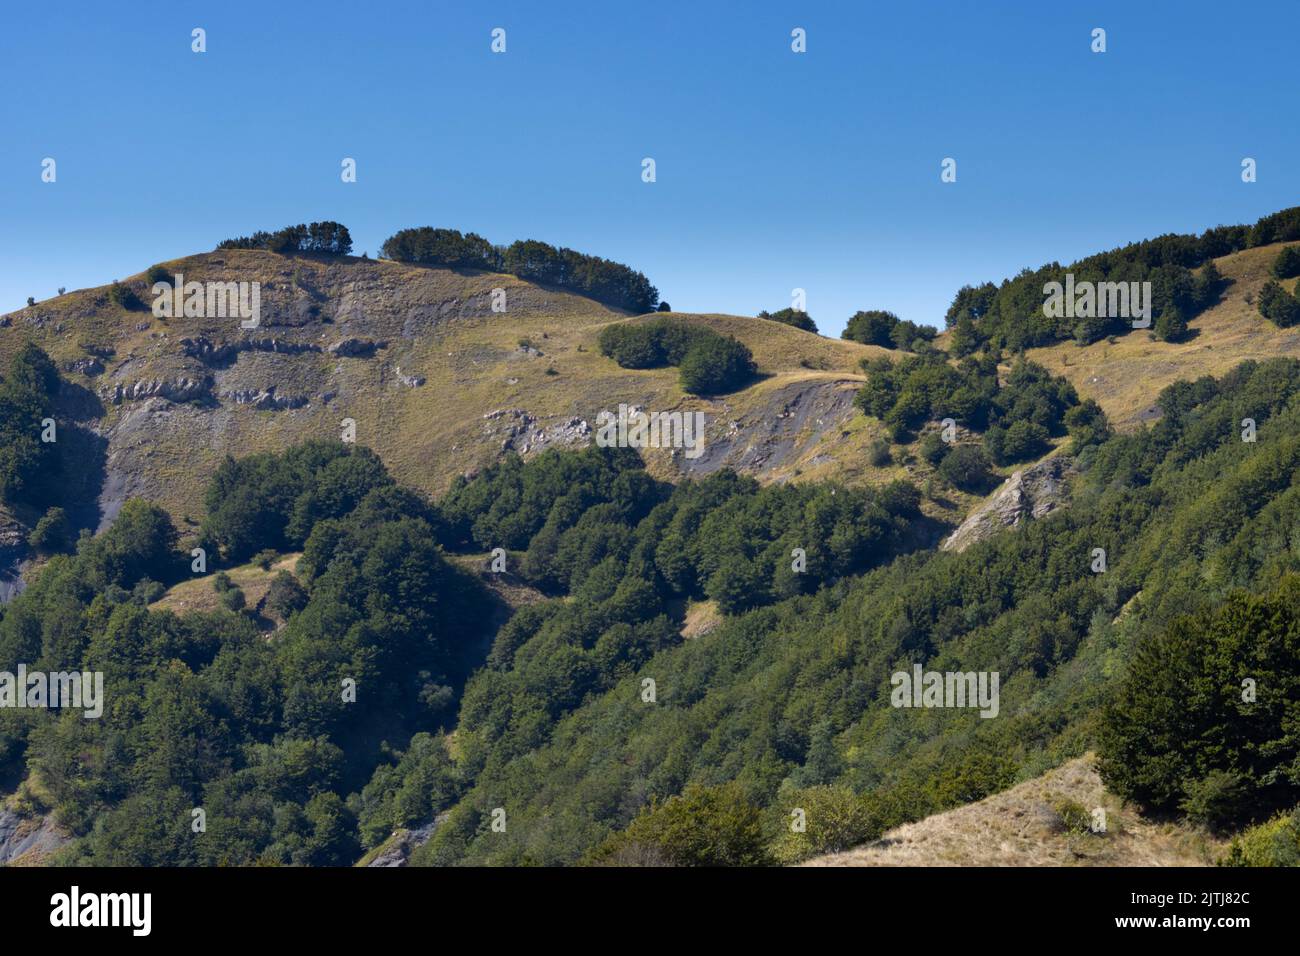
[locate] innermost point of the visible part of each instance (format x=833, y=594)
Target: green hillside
x=471, y=637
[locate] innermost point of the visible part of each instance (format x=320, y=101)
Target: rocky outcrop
x=182, y=389
x=355, y=348
x=264, y=399
x=517, y=430
x=410, y=381
x=1035, y=492
x=398, y=848
x=791, y=421
x=32, y=837
x=86, y=366
x=14, y=555
x=223, y=353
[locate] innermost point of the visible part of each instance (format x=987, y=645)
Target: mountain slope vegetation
x=367, y=681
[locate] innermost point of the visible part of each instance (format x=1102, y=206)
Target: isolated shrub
x=157, y=273
x=147, y=590
x=123, y=296
x=1287, y=263
x=1074, y=816
x=966, y=467
x=1278, y=306
x=286, y=596
x=664, y=307
x=714, y=365
x=221, y=583
x=878, y=453
x=933, y=448
x=795, y=317
x=1171, y=324
x=52, y=533
x=233, y=599
x=1209, y=283
x=265, y=558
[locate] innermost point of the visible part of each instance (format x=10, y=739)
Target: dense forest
x=601, y=279
x=587, y=729
x=330, y=238
x=1011, y=316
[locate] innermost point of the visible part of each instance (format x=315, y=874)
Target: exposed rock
x=34, y=837
x=791, y=422
x=403, y=843
x=86, y=366
x=410, y=381
x=14, y=555
x=1032, y=493
x=183, y=389
x=223, y=353
x=523, y=432
x=355, y=348
x=264, y=399
x=12, y=534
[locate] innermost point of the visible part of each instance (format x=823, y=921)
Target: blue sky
x=775, y=170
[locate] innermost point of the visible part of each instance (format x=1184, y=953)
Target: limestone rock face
x=31, y=837
x=355, y=348
x=264, y=399
x=1035, y=492
x=401, y=844
x=217, y=353
x=180, y=389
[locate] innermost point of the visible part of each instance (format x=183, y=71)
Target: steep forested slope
x=591, y=727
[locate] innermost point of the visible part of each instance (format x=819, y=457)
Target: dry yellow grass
x=701, y=617
x=437, y=324
x=1125, y=378
x=513, y=592
x=1021, y=827
x=199, y=595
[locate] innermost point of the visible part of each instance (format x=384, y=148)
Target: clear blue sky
x=775, y=170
